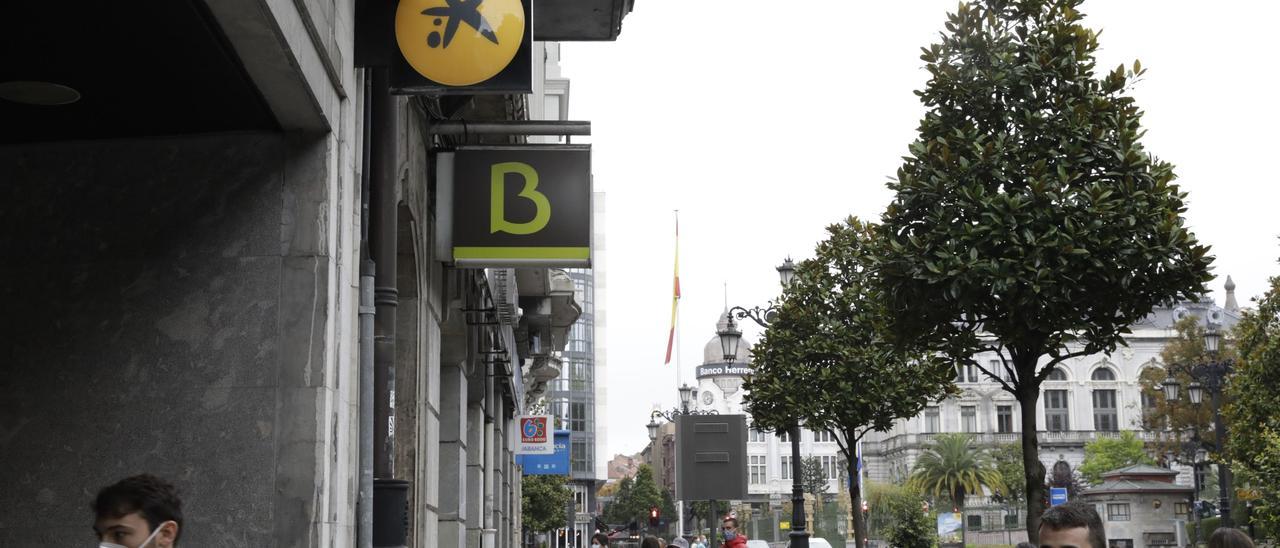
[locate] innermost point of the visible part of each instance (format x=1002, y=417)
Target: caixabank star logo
x=460, y=42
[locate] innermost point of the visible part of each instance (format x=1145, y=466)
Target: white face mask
x=143, y=545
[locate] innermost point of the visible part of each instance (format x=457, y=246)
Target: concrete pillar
x=454, y=456
x=475, y=475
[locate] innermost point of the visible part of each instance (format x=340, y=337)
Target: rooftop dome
x=714, y=353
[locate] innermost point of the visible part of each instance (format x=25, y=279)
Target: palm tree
x=954, y=467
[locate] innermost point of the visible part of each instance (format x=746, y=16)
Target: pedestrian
x=1072, y=525
x=1226, y=537
x=732, y=538
x=651, y=541
x=600, y=539
x=141, y=511
x=679, y=542
x=700, y=542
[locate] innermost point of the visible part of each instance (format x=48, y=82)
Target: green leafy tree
x=618, y=511
x=1029, y=222
x=543, y=500
x=827, y=360
x=813, y=479
x=1106, y=454
x=1008, y=461
x=954, y=467
x=900, y=516
x=1254, y=443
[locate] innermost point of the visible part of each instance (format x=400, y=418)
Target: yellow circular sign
x=459, y=42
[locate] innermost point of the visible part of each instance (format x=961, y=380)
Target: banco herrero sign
x=724, y=370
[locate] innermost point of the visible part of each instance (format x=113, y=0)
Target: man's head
x=1072, y=525
x=136, y=509
x=729, y=527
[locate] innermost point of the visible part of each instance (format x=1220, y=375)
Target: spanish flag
x=675, y=294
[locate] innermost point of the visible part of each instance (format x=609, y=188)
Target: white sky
x=763, y=122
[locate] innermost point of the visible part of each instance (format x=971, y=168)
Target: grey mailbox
x=712, y=453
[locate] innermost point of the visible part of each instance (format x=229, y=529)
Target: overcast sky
x=763, y=122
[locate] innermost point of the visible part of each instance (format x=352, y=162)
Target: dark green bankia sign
x=522, y=205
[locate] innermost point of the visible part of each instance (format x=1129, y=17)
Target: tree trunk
x=855, y=500
x=958, y=499
x=1028, y=394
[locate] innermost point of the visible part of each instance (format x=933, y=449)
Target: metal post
x=510, y=127
x=1195, y=496
x=713, y=526
x=799, y=537
x=1224, y=471
x=364, y=528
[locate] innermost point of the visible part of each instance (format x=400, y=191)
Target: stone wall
x=168, y=305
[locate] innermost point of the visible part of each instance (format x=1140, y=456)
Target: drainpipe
x=364, y=505
x=390, y=495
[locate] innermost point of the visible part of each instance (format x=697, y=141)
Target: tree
x=1028, y=221
x=828, y=362
x=543, y=500
x=900, y=516
x=813, y=479
x=1254, y=443
x=1106, y=454
x=1008, y=461
x=636, y=495
x=954, y=467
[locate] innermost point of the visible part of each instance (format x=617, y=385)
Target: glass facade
x=571, y=396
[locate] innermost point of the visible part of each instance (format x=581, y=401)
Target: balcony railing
x=1069, y=437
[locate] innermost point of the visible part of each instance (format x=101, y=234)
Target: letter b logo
x=498, y=199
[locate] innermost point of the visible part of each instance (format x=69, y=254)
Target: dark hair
x=1026, y=545
x=734, y=520
x=602, y=538
x=154, y=498
x=1076, y=514
x=1226, y=537
x=650, y=542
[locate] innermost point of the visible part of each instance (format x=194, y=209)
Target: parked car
x=816, y=542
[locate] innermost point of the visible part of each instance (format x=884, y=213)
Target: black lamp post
x=1210, y=376
x=730, y=336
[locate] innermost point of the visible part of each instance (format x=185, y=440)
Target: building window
x=968, y=418
x=1004, y=419
x=1057, y=375
x=823, y=436
x=1118, y=511
x=1055, y=411
x=997, y=367
x=830, y=467
x=755, y=436
x=1181, y=509
x=1104, y=411
x=786, y=468
x=966, y=373
x=578, y=416
x=580, y=456
x=782, y=436
x=932, y=422
x=1104, y=374
x=758, y=469
x=975, y=522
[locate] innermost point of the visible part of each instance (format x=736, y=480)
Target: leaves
x=1253, y=442
x=1106, y=454
x=954, y=467
x=543, y=500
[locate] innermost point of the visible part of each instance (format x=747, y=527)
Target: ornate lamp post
x=1210, y=377
x=730, y=336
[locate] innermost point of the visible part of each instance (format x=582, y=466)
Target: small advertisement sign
x=1057, y=495
x=536, y=436
x=949, y=527
x=555, y=464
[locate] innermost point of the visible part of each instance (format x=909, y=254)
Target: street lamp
x=1210, y=376
x=729, y=338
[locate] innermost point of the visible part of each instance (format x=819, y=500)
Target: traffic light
x=653, y=516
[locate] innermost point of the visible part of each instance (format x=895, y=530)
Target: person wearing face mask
x=141, y=511
x=732, y=538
